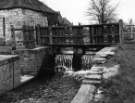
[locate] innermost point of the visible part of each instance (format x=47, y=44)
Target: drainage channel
x=55, y=89
x=50, y=90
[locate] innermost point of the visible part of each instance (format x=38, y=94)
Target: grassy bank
x=121, y=88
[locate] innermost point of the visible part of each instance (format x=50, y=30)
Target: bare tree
x=102, y=11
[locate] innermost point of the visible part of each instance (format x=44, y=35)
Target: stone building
x=24, y=12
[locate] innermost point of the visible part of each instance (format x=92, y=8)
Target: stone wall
x=9, y=72
x=14, y=67
x=31, y=60
x=17, y=18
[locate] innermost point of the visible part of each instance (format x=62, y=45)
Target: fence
x=23, y=36
x=129, y=32
x=81, y=35
x=2, y=31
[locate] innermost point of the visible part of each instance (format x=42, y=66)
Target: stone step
x=91, y=81
x=93, y=77
x=98, y=60
x=92, y=72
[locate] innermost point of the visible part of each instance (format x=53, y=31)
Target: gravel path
x=55, y=90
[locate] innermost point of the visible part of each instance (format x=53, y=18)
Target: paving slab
x=93, y=77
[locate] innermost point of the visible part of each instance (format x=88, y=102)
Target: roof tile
x=28, y=4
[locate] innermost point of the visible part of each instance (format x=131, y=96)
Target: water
x=65, y=60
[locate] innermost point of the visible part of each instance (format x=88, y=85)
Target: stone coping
x=34, y=50
x=85, y=94
x=87, y=90
x=4, y=59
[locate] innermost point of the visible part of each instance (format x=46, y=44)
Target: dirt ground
x=55, y=90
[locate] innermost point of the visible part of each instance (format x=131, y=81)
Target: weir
x=65, y=61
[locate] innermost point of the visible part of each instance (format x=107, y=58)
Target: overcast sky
x=75, y=10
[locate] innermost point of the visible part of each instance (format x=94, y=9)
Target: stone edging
x=87, y=91
x=85, y=94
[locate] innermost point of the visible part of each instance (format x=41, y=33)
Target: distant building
x=63, y=21
x=67, y=22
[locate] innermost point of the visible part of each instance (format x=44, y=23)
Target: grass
x=121, y=88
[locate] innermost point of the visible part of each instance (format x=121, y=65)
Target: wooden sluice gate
x=80, y=37
x=83, y=36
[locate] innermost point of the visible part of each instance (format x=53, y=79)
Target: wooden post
x=12, y=32
x=24, y=36
x=50, y=36
x=38, y=35
x=121, y=37
x=13, y=37
x=34, y=32
x=90, y=34
x=133, y=33
x=131, y=28
x=4, y=27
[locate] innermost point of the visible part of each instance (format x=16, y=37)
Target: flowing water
x=65, y=60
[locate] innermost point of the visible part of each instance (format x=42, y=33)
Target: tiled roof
x=27, y=4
